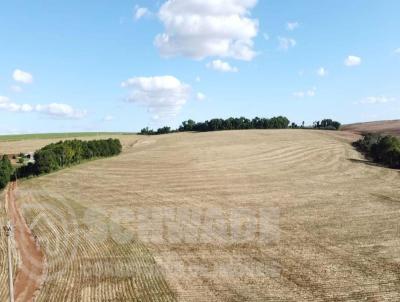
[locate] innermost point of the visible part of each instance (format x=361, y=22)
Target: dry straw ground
x=285, y=215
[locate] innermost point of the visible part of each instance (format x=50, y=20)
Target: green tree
x=6, y=170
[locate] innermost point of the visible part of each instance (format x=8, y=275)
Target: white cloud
x=4, y=99
x=16, y=88
x=60, y=111
x=299, y=94
x=6, y=104
x=352, y=61
x=377, y=100
x=291, y=26
x=200, y=96
x=200, y=29
x=163, y=96
x=141, y=12
x=108, y=118
x=286, y=43
x=311, y=92
x=322, y=72
x=222, y=66
x=308, y=93
x=22, y=76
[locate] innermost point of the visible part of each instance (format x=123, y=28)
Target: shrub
x=381, y=149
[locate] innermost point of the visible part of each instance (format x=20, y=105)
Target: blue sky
x=102, y=65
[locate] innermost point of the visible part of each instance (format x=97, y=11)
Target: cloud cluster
x=61, y=111
x=56, y=110
x=208, y=28
x=291, y=26
x=377, y=100
x=108, y=118
x=222, y=66
x=22, y=76
x=163, y=96
x=302, y=94
x=322, y=72
x=351, y=61
x=200, y=96
x=141, y=12
x=286, y=43
x=6, y=104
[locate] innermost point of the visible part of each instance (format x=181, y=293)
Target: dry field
x=385, y=127
x=285, y=215
x=15, y=146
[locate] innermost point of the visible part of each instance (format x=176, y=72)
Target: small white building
x=29, y=157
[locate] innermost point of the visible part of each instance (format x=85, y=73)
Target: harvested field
x=285, y=215
x=16, y=145
x=384, y=127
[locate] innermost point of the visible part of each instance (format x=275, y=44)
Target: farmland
x=382, y=127
x=258, y=215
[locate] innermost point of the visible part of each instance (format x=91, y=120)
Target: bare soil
x=31, y=271
x=384, y=127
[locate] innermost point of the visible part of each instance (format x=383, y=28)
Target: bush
x=381, y=149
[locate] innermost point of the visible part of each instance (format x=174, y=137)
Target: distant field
x=275, y=215
x=384, y=127
x=14, y=144
x=18, y=137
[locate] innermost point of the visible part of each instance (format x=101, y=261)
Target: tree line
x=241, y=123
x=66, y=153
x=327, y=124
x=381, y=149
x=6, y=171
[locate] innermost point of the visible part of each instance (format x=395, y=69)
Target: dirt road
x=31, y=270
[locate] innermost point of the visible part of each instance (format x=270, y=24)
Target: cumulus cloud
x=308, y=93
x=163, y=96
x=322, y=72
x=4, y=99
x=200, y=96
x=200, y=29
x=22, y=76
x=352, y=61
x=58, y=110
x=222, y=66
x=286, y=43
x=141, y=12
x=54, y=109
x=377, y=100
x=291, y=26
x=6, y=104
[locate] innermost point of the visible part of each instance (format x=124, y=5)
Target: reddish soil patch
x=384, y=127
x=31, y=270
